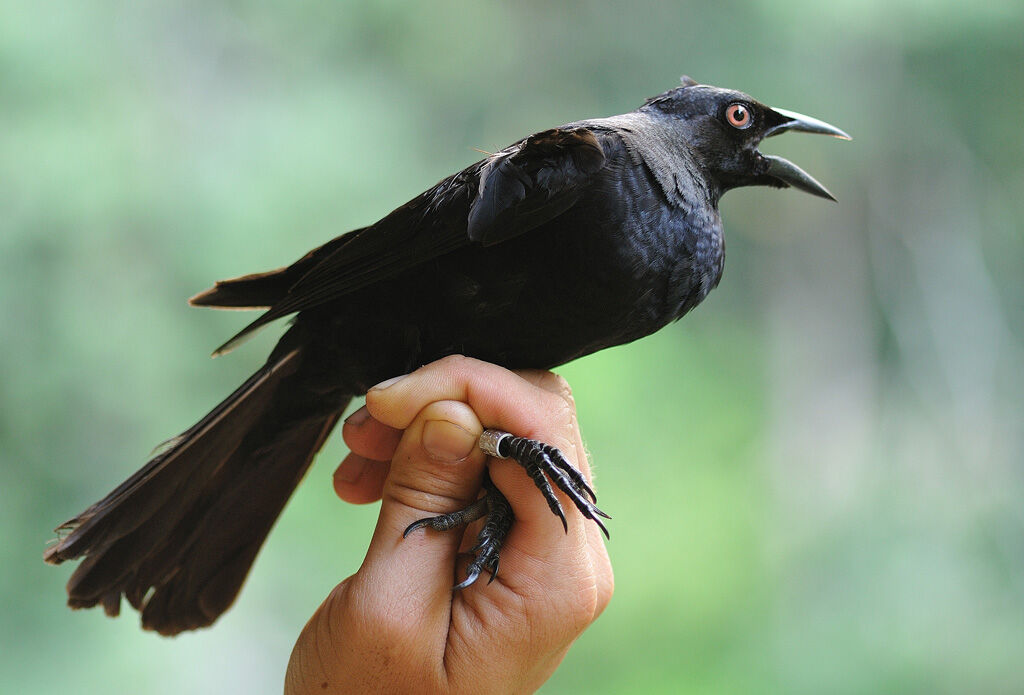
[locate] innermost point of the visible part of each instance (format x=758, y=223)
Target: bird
x=574, y=239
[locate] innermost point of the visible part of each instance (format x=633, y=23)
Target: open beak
x=784, y=170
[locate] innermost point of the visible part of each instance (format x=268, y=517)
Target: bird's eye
x=738, y=116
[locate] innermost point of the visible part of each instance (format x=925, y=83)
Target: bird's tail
x=178, y=537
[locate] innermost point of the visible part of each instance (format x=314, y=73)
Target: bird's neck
x=661, y=145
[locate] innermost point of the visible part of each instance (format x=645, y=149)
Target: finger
x=368, y=437
x=600, y=563
x=437, y=468
x=359, y=480
x=539, y=554
x=549, y=381
x=581, y=604
x=598, y=552
x=506, y=401
x=500, y=398
x=556, y=384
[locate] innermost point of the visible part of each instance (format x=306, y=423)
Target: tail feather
x=224, y=543
x=133, y=501
x=178, y=537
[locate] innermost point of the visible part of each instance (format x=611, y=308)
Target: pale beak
x=784, y=170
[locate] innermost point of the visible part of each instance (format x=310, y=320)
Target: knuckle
x=563, y=389
x=558, y=410
x=556, y=384
x=456, y=362
x=438, y=495
x=561, y=422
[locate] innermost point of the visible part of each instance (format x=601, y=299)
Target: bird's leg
x=541, y=462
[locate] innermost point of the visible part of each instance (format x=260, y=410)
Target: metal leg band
x=491, y=441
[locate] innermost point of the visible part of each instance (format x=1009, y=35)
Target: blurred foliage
x=816, y=478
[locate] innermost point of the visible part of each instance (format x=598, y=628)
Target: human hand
x=396, y=625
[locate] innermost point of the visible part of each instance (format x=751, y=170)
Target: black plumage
x=574, y=239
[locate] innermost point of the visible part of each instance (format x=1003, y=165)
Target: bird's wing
x=264, y=290
x=532, y=183
x=501, y=197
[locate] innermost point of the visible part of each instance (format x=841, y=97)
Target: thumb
x=436, y=469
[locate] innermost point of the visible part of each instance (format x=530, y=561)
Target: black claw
x=592, y=508
x=566, y=484
x=556, y=507
x=559, y=460
x=415, y=525
x=471, y=577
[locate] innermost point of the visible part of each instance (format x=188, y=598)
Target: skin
x=395, y=625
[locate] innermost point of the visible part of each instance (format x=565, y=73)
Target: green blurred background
x=816, y=477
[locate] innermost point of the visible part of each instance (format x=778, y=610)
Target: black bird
x=575, y=239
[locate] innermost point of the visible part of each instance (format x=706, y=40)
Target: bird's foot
x=541, y=462
x=488, y=542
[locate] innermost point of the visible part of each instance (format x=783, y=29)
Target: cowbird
x=577, y=238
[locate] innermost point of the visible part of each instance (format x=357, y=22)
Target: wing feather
x=501, y=197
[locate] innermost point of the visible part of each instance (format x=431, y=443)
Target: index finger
x=501, y=399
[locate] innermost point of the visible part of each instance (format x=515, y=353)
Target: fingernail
x=447, y=441
x=350, y=470
x=358, y=418
x=389, y=382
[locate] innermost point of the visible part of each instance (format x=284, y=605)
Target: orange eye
x=738, y=116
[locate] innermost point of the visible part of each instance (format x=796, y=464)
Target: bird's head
x=724, y=128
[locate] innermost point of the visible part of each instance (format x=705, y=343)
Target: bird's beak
x=784, y=170
x=804, y=124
